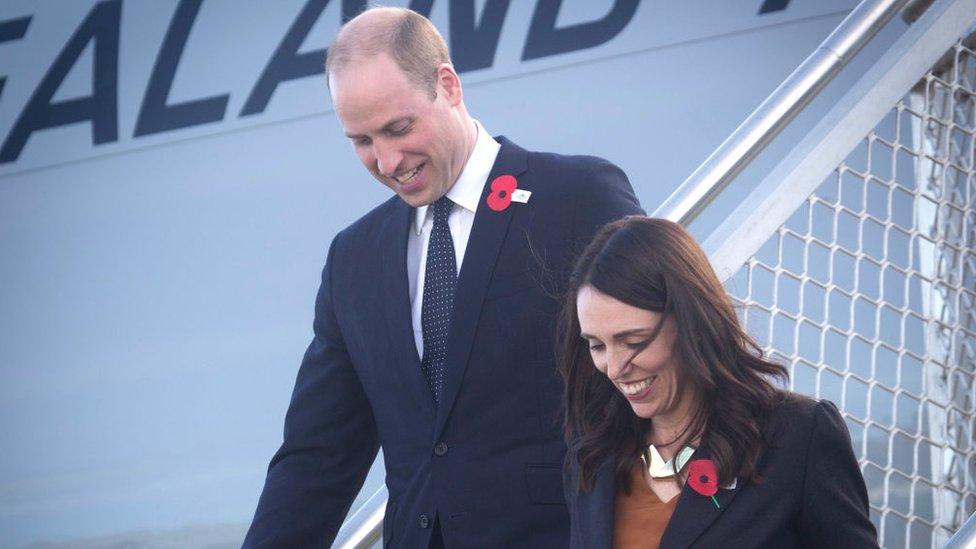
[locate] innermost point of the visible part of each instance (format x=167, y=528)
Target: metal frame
x=787, y=187
x=799, y=174
x=965, y=537
x=776, y=112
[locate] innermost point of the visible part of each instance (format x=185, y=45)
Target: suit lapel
x=484, y=243
x=694, y=514
x=396, y=304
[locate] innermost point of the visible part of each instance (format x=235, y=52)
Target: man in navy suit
x=435, y=320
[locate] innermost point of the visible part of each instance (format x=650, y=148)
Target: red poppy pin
x=703, y=478
x=502, y=188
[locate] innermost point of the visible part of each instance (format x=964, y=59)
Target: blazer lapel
x=396, y=304
x=694, y=514
x=484, y=243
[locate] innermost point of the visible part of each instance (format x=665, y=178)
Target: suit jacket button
x=440, y=449
x=423, y=521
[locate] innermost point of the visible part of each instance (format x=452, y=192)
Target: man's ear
x=450, y=83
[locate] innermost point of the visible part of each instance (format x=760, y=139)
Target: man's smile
x=410, y=181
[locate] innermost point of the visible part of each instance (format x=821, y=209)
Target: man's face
x=410, y=143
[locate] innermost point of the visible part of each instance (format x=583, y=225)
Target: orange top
x=641, y=517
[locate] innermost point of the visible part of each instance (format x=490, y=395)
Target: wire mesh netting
x=868, y=292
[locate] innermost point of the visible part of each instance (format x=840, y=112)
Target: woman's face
x=647, y=375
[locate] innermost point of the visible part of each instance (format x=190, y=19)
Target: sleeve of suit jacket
x=330, y=441
x=835, y=500
x=603, y=195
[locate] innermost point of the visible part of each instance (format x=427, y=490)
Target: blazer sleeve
x=571, y=494
x=603, y=195
x=835, y=509
x=330, y=441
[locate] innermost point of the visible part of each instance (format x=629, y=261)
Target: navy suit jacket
x=486, y=462
x=812, y=494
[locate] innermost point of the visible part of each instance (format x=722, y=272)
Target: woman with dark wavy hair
x=678, y=435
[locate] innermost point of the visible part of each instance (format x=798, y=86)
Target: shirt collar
x=466, y=191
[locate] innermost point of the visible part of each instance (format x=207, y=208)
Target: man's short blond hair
x=409, y=38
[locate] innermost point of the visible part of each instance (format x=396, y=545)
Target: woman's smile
x=637, y=391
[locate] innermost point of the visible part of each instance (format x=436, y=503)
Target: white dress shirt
x=465, y=193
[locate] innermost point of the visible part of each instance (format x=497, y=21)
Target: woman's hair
x=656, y=265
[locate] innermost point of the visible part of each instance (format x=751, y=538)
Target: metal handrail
x=829, y=142
x=776, y=112
x=364, y=528
x=965, y=537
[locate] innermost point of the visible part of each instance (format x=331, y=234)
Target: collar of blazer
x=692, y=516
x=484, y=244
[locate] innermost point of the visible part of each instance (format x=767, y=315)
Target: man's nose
x=387, y=159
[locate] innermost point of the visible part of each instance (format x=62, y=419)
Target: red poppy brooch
x=504, y=191
x=703, y=478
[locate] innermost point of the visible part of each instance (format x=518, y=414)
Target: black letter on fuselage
x=11, y=30
x=287, y=64
x=422, y=7
x=155, y=115
x=770, y=6
x=473, y=47
x=545, y=39
x=101, y=107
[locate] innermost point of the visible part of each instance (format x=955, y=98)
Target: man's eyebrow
x=392, y=124
x=389, y=126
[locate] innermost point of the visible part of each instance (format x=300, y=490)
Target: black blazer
x=487, y=462
x=812, y=494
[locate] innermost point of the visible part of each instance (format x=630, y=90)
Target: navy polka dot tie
x=440, y=279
